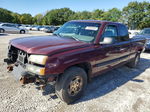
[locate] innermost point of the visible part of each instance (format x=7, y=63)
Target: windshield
x=80, y=31
x=145, y=32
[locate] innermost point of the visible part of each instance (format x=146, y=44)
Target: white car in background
x=44, y=28
x=132, y=33
x=11, y=28
x=28, y=27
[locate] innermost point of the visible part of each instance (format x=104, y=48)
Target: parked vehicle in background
x=11, y=28
x=132, y=33
x=56, y=28
x=77, y=52
x=50, y=29
x=145, y=33
x=44, y=28
x=28, y=27
x=36, y=28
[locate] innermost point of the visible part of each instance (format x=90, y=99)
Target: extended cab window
x=110, y=32
x=123, y=33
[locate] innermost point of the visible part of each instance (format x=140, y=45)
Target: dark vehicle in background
x=11, y=28
x=50, y=29
x=57, y=27
x=145, y=33
x=43, y=28
x=73, y=55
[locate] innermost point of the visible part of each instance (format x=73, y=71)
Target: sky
x=41, y=6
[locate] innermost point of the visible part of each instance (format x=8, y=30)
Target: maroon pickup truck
x=73, y=55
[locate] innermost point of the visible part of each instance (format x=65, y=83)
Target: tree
x=58, y=16
x=26, y=19
x=112, y=15
x=16, y=18
x=135, y=14
x=97, y=14
x=38, y=19
x=82, y=15
x=5, y=15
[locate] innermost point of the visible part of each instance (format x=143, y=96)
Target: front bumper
x=20, y=73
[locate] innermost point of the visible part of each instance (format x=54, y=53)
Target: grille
x=22, y=57
x=17, y=55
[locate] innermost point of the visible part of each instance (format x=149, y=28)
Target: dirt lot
x=121, y=90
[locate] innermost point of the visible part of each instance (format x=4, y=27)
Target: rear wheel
x=135, y=61
x=71, y=85
x=22, y=32
x=2, y=30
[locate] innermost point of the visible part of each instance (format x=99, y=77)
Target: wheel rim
x=75, y=85
x=22, y=32
x=1, y=31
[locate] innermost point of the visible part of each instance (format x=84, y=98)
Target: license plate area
x=18, y=72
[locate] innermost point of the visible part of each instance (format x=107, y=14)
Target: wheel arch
x=85, y=66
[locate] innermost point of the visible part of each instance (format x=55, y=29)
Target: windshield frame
x=97, y=24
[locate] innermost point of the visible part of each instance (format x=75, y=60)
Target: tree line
x=136, y=15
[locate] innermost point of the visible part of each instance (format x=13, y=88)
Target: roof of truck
x=95, y=21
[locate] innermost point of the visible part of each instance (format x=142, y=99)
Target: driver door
x=108, y=54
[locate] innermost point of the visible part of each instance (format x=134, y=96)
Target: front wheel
x=22, y=32
x=2, y=30
x=135, y=61
x=71, y=85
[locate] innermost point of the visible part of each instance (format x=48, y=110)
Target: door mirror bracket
x=108, y=40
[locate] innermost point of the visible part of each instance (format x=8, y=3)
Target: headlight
x=39, y=59
x=35, y=69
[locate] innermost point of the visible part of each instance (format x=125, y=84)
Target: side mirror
x=108, y=40
x=129, y=33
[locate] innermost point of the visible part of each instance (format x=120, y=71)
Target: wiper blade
x=72, y=37
x=58, y=34
x=75, y=38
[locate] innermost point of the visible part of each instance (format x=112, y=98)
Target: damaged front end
x=18, y=63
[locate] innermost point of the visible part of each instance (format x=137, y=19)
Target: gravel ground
x=120, y=90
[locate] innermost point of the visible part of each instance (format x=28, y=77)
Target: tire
x=70, y=85
x=2, y=30
x=135, y=61
x=22, y=31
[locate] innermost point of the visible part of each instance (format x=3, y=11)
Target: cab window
x=123, y=33
x=110, y=31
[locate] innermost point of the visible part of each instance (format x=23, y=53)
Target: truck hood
x=46, y=44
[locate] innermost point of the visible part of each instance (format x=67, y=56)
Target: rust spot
x=10, y=68
x=26, y=80
x=51, y=79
